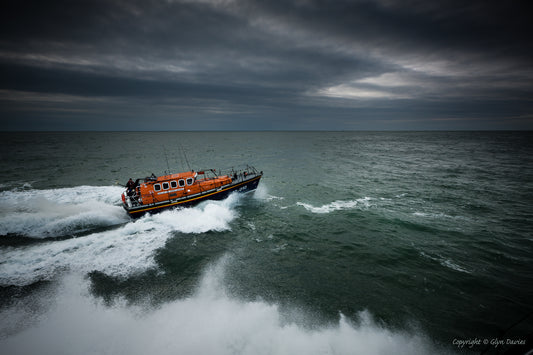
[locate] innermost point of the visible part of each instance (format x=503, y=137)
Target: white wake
x=126, y=249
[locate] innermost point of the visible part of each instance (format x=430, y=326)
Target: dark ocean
x=354, y=243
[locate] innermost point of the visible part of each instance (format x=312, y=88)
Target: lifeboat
x=156, y=193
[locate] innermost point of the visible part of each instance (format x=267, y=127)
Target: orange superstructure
x=170, y=187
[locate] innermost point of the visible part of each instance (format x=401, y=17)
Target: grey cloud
x=266, y=65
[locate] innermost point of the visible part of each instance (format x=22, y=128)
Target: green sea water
x=354, y=243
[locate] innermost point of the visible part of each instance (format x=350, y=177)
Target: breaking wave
x=208, y=322
x=337, y=205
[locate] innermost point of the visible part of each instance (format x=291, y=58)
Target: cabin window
x=181, y=182
x=173, y=184
x=165, y=186
x=157, y=187
x=189, y=181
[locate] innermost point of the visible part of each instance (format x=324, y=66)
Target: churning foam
x=209, y=322
x=127, y=249
x=207, y=216
x=59, y=212
x=337, y=205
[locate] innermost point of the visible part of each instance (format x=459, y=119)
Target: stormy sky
x=266, y=65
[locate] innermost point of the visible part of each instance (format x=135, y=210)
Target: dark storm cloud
x=218, y=64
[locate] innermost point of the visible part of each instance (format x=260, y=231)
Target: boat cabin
x=169, y=187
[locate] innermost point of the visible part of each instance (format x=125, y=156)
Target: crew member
x=130, y=185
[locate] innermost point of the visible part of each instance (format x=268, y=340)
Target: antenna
x=185, y=156
x=166, y=158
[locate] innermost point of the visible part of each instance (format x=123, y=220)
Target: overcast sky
x=265, y=65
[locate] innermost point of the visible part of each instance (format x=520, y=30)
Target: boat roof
x=183, y=175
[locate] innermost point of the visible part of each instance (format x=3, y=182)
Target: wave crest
x=337, y=205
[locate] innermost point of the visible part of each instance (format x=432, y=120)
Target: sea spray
x=208, y=215
x=59, y=212
x=125, y=250
x=208, y=322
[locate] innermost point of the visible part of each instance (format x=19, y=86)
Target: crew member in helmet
x=130, y=185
